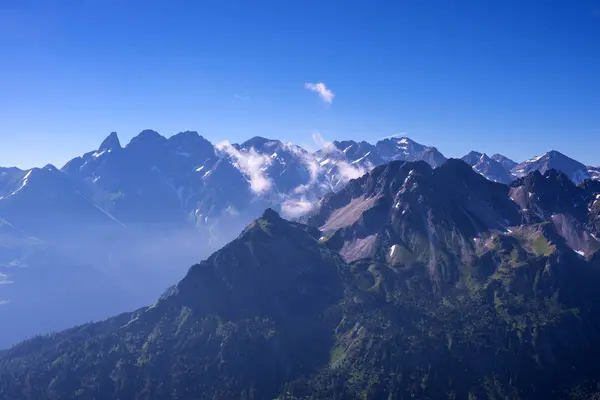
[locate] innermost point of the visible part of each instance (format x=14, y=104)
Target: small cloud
x=346, y=171
x=319, y=140
x=252, y=164
x=343, y=171
x=325, y=94
x=3, y=302
x=293, y=208
x=241, y=97
x=307, y=158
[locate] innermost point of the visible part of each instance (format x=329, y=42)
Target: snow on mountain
x=488, y=167
x=158, y=203
x=405, y=149
x=594, y=172
x=506, y=162
x=575, y=170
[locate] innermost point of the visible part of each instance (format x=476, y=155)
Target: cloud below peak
x=252, y=164
x=319, y=88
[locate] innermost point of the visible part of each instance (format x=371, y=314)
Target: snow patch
x=296, y=207
x=536, y=158
x=23, y=184
x=393, y=250
x=362, y=158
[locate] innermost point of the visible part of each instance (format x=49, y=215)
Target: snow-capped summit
x=406, y=149
x=575, y=170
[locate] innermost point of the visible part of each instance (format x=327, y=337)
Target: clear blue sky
x=518, y=77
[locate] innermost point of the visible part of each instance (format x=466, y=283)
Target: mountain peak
x=185, y=136
x=554, y=153
x=506, y=162
x=553, y=159
x=50, y=168
x=147, y=136
x=472, y=158
x=110, y=143
x=258, y=142
x=190, y=142
x=271, y=215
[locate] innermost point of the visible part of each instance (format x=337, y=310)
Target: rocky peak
x=472, y=158
x=110, y=143
x=542, y=195
x=553, y=159
x=504, y=161
x=274, y=268
x=258, y=143
x=271, y=215
x=191, y=143
x=147, y=137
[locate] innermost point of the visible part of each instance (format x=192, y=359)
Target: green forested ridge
x=278, y=314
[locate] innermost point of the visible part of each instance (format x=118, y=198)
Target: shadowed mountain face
x=409, y=282
x=411, y=210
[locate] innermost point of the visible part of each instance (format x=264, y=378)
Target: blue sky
x=518, y=77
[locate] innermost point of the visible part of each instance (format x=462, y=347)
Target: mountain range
x=409, y=281
x=156, y=205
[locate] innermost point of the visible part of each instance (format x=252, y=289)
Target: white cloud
x=294, y=208
x=252, y=164
x=345, y=171
x=325, y=94
x=323, y=178
x=309, y=160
